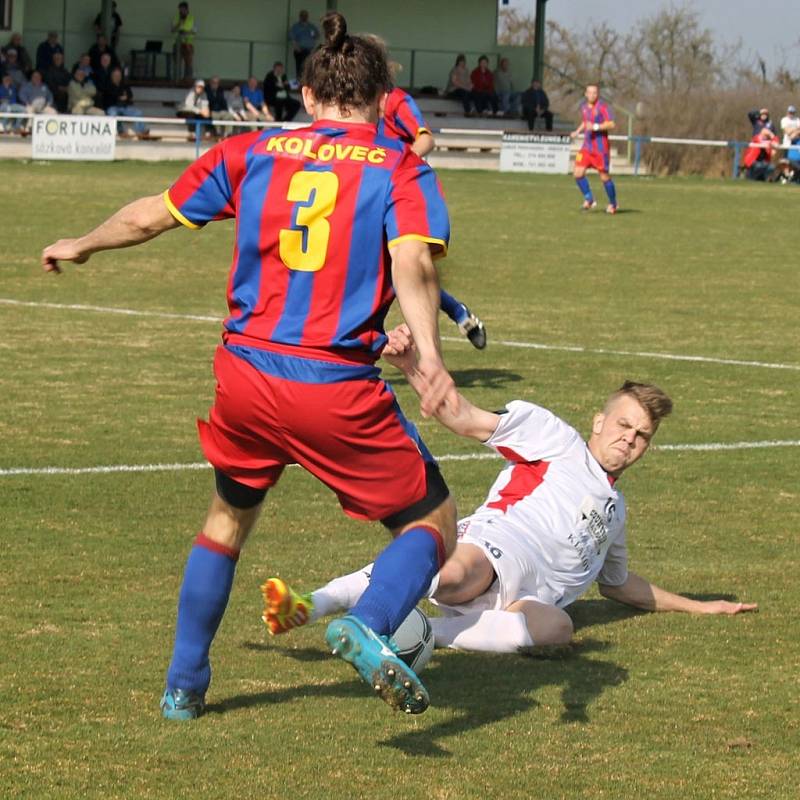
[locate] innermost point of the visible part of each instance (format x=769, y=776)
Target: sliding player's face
x=592, y=93
x=621, y=435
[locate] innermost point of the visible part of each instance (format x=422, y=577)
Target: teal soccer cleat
x=182, y=705
x=376, y=662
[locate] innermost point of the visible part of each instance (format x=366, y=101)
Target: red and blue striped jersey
x=595, y=141
x=316, y=210
x=402, y=118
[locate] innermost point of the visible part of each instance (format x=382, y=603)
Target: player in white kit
x=552, y=524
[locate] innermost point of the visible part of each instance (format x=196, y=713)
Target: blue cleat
x=375, y=661
x=182, y=705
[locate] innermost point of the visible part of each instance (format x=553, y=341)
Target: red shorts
x=587, y=160
x=349, y=434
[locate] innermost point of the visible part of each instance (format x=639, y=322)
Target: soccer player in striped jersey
x=332, y=221
x=552, y=524
x=597, y=119
x=402, y=119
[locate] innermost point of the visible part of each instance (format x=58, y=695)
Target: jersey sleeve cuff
x=422, y=130
x=173, y=209
x=431, y=240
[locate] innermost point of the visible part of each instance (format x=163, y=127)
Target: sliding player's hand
x=726, y=607
x=62, y=250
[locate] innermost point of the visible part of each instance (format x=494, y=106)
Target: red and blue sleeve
x=204, y=192
x=409, y=117
x=607, y=112
x=416, y=208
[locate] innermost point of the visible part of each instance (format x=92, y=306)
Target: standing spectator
x=117, y=100
x=760, y=120
x=459, y=86
x=254, y=105
x=35, y=96
x=57, y=79
x=12, y=68
x=46, y=50
x=218, y=104
x=9, y=103
x=82, y=93
x=536, y=103
x=101, y=77
x=98, y=50
x=196, y=107
x=23, y=57
x=483, y=94
x=507, y=97
x=790, y=127
x=184, y=29
x=304, y=36
x=116, y=24
x=276, y=94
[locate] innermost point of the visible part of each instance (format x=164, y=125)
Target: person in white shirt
x=552, y=524
x=790, y=125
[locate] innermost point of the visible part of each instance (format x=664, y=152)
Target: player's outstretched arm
x=640, y=593
x=137, y=222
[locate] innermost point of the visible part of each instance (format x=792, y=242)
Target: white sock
x=488, y=631
x=341, y=594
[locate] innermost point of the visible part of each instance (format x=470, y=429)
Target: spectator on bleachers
x=483, y=94
x=23, y=57
x=304, y=36
x=12, y=67
x=459, y=86
x=35, y=96
x=184, y=29
x=84, y=63
x=46, y=50
x=98, y=50
x=82, y=94
x=282, y=105
x=195, y=106
x=507, y=96
x=536, y=103
x=9, y=102
x=116, y=24
x=760, y=120
x=790, y=126
x=117, y=101
x=254, y=104
x=218, y=104
x=235, y=101
x=101, y=77
x=57, y=79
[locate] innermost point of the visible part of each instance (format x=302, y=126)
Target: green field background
x=662, y=706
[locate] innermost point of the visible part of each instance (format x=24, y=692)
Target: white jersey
x=553, y=521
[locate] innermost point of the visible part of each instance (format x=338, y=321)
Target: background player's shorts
x=351, y=435
x=587, y=160
x=514, y=564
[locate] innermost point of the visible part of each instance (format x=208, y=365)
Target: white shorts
x=513, y=562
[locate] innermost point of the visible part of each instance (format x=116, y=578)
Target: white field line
x=198, y=465
x=734, y=362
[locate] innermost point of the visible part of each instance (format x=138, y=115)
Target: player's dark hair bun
x=335, y=27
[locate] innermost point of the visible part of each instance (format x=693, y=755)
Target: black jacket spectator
x=97, y=50
x=276, y=94
x=216, y=98
x=116, y=94
x=46, y=50
x=57, y=79
x=536, y=103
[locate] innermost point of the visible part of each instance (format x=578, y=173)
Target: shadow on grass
x=478, y=689
x=472, y=378
x=585, y=613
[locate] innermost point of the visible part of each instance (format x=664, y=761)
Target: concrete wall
x=241, y=35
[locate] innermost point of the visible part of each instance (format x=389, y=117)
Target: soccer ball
x=414, y=640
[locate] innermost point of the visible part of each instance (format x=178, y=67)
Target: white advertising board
x=535, y=152
x=74, y=138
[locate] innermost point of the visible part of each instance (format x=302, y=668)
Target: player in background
x=402, y=119
x=597, y=120
x=552, y=523
x=331, y=221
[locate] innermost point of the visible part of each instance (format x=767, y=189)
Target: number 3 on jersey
x=303, y=247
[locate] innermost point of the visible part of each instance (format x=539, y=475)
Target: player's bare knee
x=562, y=629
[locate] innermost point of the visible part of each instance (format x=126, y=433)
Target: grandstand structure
x=246, y=38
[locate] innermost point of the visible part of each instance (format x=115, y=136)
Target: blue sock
x=586, y=190
x=207, y=582
x=454, y=309
x=401, y=575
x=611, y=191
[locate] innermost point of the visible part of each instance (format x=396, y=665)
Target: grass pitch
x=663, y=706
